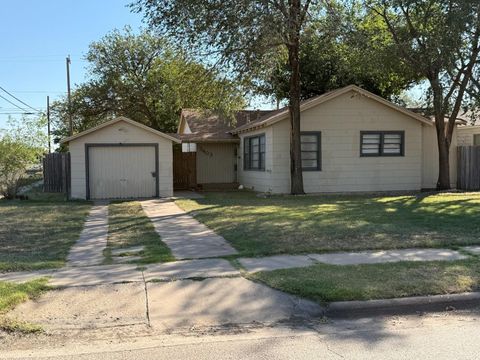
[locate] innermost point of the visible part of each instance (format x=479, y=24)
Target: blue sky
x=38, y=35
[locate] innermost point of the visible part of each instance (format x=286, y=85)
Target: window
x=382, y=143
x=189, y=147
x=476, y=139
x=311, y=151
x=254, y=152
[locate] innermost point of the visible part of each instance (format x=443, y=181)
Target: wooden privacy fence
x=468, y=171
x=56, y=173
x=184, y=169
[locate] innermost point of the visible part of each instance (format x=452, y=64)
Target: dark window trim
x=382, y=133
x=476, y=136
x=261, y=165
x=319, y=150
x=92, y=145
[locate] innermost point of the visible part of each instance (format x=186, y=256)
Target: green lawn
x=326, y=283
x=285, y=224
x=38, y=233
x=12, y=294
x=129, y=226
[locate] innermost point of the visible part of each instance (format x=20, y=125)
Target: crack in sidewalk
x=147, y=310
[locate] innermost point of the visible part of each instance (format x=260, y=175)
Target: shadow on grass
x=274, y=225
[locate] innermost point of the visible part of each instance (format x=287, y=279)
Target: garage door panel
x=117, y=172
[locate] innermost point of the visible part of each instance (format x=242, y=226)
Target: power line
x=20, y=101
x=4, y=98
x=37, y=92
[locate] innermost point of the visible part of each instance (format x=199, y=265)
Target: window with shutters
x=382, y=143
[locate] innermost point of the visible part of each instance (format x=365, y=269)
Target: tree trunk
x=443, y=143
x=296, y=175
x=443, y=182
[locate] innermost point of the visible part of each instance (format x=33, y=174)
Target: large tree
x=142, y=77
x=440, y=41
x=243, y=35
x=340, y=49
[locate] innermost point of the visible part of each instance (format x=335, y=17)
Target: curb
x=403, y=306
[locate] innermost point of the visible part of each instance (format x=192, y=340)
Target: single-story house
x=121, y=158
x=351, y=141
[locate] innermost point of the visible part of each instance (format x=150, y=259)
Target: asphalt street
x=451, y=335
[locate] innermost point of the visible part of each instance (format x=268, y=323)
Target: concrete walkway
x=353, y=258
x=211, y=268
x=88, y=250
x=128, y=273
x=475, y=249
x=188, y=269
x=185, y=236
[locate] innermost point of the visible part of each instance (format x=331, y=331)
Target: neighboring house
x=468, y=135
x=352, y=141
x=121, y=158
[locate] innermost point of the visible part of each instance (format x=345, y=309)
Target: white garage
x=121, y=159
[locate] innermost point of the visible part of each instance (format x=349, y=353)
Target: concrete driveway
x=165, y=306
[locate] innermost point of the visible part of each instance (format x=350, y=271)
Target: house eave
x=327, y=97
x=114, y=121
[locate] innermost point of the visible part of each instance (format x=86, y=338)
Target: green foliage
x=239, y=34
x=144, y=78
x=339, y=48
x=21, y=146
x=439, y=41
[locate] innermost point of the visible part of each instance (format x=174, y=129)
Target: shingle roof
x=209, y=125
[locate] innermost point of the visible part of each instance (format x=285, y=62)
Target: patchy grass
x=286, y=224
x=12, y=294
x=38, y=233
x=327, y=283
x=129, y=226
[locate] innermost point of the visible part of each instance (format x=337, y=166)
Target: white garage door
x=122, y=172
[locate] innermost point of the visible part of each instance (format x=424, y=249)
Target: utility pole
x=70, y=122
x=48, y=124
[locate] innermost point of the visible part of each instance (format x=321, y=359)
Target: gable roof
x=114, y=121
x=281, y=114
x=212, y=126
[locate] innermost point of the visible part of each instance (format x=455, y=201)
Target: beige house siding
x=120, y=132
x=430, y=158
x=216, y=163
x=255, y=179
x=340, y=121
x=466, y=134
